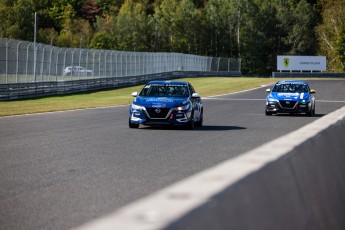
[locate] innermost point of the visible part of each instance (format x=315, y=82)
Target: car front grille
x=157, y=113
x=287, y=104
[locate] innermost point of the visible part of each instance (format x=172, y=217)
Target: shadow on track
x=203, y=128
x=297, y=115
x=219, y=128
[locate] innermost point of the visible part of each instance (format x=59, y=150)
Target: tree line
x=256, y=31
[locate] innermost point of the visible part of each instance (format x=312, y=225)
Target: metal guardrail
x=13, y=91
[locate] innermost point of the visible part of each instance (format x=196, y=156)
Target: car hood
x=160, y=102
x=288, y=96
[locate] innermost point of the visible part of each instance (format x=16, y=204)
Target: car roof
x=167, y=82
x=300, y=82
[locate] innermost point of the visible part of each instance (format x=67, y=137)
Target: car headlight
x=305, y=101
x=184, y=107
x=137, y=107
x=272, y=99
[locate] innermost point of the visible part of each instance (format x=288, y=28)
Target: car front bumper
x=277, y=107
x=173, y=117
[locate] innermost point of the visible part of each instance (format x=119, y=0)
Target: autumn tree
x=297, y=21
x=222, y=17
x=330, y=32
x=340, y=48
x=104, y=36
x=255, y=44
x=187, y=28
x=17, y=19
x=132, y=30
x=109, y=7
x=165, y=24
x=89, y=11
x=274, y=28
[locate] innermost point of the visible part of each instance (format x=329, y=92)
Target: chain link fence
x=30, y=69
x=22, y=61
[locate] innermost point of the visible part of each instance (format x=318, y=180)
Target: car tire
x=191, y=124
x=132, y=125
x=199, y=123
x=311, y=113
x=268, y=113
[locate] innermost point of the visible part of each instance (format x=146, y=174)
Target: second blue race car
x=290, y=96
x=166, y=103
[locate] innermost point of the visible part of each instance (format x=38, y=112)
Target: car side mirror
x=312, y=91
x=195, y=95
x=134, y=94
x=268, y=90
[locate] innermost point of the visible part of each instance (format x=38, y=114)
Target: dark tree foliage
x=256, y=31
x=89, y=11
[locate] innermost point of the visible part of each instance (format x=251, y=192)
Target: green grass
x=207, y=86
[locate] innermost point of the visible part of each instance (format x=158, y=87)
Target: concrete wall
x=294, y=182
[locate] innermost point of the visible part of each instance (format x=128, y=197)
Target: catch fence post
x=17, y=64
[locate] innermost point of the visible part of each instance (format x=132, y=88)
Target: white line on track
x=243, y=91
x=248, y=99
x=256, y=114
x=328, y=101
x=64, y=111
x=233, y=99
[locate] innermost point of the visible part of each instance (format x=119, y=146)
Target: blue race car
x=166, y=103
x=290, y=97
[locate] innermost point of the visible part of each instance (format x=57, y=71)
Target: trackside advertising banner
x=300, y=63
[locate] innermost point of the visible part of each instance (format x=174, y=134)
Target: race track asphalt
x=60, y=170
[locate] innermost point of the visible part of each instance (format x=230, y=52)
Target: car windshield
x=164, y=90
x=290, y=88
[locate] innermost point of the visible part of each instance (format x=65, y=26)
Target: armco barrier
x=14, y=91
x=294, y=182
